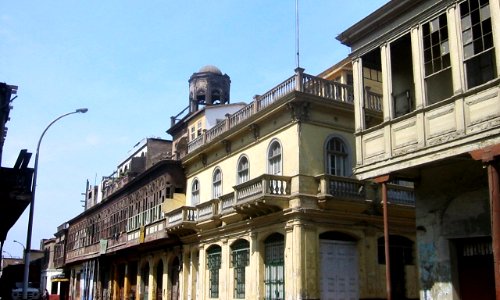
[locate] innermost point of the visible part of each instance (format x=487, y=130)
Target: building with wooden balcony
x=249, y=201
x=272, y=208
x=100, y=249
x=436, y=64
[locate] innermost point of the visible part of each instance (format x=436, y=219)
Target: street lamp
x=32, y=205
x=22, y=245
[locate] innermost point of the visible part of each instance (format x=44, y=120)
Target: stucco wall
x=452, y=202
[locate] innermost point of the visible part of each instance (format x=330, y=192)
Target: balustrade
x=343, y=187
x=300, y=82
x=263, y=185
x=373, y=100
x=180, y=215
x=226, y=203
x=207, y=210
x=398, y=194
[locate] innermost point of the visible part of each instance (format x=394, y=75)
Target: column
x=254, y=269
x=385, y=56
x=490, y=156
x=126, y=282
x=456, y=50
x=382, y=180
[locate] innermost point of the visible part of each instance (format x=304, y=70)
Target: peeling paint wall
x=452, y=203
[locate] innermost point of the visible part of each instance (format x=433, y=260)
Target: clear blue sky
x=129, y=63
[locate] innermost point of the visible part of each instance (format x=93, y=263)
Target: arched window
x=337, y=157
x=274, y=158
x=239, y=260
x=274, y=261
x=243, y=170
x=213, y=265
x=195, y=192
x=217, y=183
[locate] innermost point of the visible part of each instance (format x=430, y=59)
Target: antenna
x=297, y=32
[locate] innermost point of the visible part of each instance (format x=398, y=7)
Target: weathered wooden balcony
x=113, y=184
x=181, y=221
x=300, y=82
x=208, y=214
x=262, y=195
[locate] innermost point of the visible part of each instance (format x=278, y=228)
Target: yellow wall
x=257, y=157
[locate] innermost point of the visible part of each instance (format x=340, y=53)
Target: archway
x=174, y=279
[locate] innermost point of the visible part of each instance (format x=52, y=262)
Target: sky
x=129, y=63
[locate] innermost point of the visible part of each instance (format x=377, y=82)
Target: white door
x=338, y=270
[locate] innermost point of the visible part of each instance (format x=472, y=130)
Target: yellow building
x=265, y=206
x=436, y=65
x=272, y=208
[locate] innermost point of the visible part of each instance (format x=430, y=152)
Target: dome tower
x=208, y=87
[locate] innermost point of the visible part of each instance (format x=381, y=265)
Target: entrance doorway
x=174, y=279
x=475, y=268
x=338, y=266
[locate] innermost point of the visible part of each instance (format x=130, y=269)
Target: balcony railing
x=207, y=210
x=342, y=187
x=300, y=82
x=373, y=100
x=226, y=203
x=353, y=189
x=265, y=185
x=398, y=194
x=181, y=215
x=113, y=184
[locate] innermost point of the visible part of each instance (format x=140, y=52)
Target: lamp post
x=27, y=250
x=22, y=245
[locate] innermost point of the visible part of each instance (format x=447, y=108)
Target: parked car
x=17, y=292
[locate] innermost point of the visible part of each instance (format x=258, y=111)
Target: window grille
x=274, y=278
x=214, y=264
x=239, y=260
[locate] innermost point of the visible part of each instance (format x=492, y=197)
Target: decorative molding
x=227, y=145
x=299, y=110
x=203, y=158
x=255, y=130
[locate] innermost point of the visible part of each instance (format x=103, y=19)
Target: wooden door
x=338, y=270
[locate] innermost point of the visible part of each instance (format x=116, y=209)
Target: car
x=17, y=292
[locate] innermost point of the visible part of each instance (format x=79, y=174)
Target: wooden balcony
x=458, y=125
x=181, y=221
x=262, y=195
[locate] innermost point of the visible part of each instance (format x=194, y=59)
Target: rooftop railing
x=299, y=82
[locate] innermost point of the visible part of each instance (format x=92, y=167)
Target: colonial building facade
x=436, y=65
x=266, y=205
x=103, y=250
x=272, y=209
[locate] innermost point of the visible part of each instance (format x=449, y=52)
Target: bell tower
x=208, y=86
